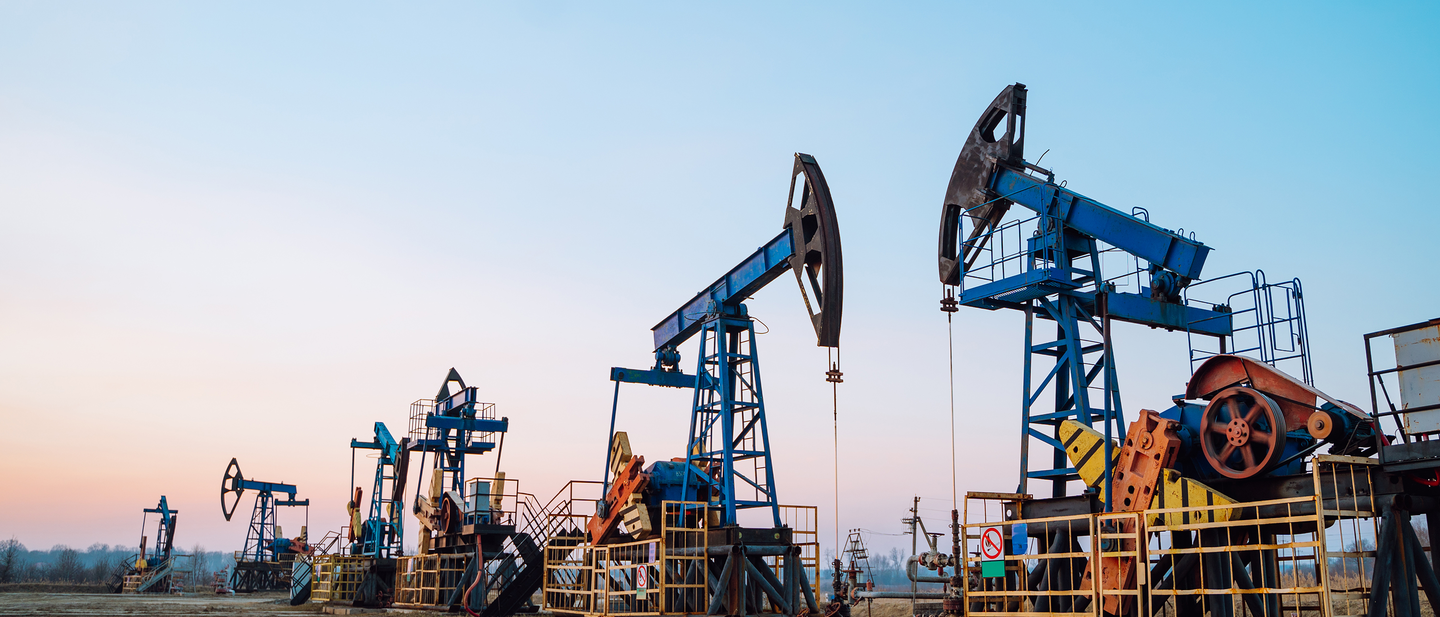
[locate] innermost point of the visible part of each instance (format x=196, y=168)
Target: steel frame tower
x=383, y=534
x=1078, y=362
x=728, y=393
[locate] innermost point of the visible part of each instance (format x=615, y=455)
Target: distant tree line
x=885, y=570
x=97, y=564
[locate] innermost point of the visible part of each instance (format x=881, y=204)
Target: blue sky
x=252, y=230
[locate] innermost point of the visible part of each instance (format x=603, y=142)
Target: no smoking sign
x=992, y=552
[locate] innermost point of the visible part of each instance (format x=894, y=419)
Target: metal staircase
x=172, y=573
x=517, y=577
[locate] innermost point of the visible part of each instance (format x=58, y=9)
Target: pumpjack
x=687, y=510
x=1055, y=274
x=153, y=571
x=379, y=537
x=1221, y=483
x=267, y=561
x=479, y=536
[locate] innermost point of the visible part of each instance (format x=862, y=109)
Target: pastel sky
x=253, y=229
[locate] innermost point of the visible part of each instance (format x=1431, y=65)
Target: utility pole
x=914, y=517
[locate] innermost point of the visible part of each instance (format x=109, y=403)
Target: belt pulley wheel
x=231, y=485
x=1242, y=432
x=815, y=238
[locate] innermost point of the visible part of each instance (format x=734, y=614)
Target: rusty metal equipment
x=265, y=564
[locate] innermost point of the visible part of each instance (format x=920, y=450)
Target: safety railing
x=1120, y=553
x=428, y=580
x=568, y=587
x=1264, y=561
x=1267, y=321
x=335, y=578
x=1311, y=555
x=684, y=557
x=625, y=575
x=1408, y=378
x=1049, y=581
x=1349, y=506
x=666, y=574
x=803, y=522
x=1004, y=251
x=424, y=408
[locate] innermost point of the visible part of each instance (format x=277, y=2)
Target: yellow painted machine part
x=1085, y=446
x=620, y=453
x=1180, y=492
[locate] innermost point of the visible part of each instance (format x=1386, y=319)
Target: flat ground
x=104, y=605
x=249, y=605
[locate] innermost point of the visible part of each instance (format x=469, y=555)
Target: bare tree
x=200, y=573
x=12, y=560
x=68, y=566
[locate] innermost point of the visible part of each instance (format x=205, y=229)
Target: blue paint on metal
x=1144, y=310
x=166, y=523
x=468, y=424
x=383, y=533
x=737, y=285
x=1032, y=284
x=1061, y=282
x=1123, y=231
x=653, y=377
x=730, y=390
x=451, y=431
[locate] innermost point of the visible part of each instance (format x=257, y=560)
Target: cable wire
x=835, y=418
x=950, y=330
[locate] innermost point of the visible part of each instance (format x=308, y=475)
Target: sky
x=252, y=230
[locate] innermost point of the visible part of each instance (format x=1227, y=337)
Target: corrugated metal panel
x=1419, y=387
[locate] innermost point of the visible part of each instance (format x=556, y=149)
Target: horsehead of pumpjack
x=969, y=192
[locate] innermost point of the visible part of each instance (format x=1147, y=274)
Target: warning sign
x=992, y=552
x=642, y=581
x=992, y=544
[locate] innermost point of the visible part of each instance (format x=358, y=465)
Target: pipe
x=901, y=595
x=717, y=551
x=912, y=570
x=479, y=571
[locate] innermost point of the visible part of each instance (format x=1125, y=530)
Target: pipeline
x=901, y=595
x=912, y=570
x=761, y=551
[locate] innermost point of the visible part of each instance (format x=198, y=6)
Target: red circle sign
x=991, y=544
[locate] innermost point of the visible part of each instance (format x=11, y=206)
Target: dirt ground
x=888, y=608
x=105, y=605
x=251, y=605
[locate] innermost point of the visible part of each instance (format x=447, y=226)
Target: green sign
x=992, y=569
